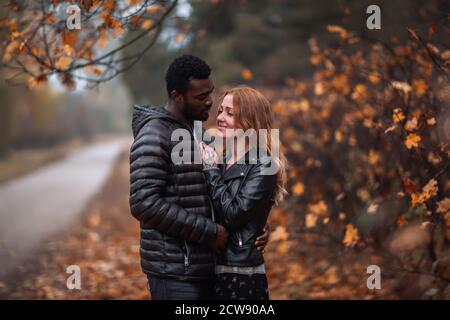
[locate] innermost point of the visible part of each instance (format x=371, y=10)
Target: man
x=170, y=200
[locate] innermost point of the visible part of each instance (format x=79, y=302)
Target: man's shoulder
x=159, y=126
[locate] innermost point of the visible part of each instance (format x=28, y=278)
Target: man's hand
x=263, y=239
x=221, y=239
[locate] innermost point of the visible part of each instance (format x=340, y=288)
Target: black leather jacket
x=242, y=197
x=170, y=201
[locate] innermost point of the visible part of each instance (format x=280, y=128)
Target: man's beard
x=186, y=110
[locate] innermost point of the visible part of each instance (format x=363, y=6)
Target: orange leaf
x=311, y=220
x=94, y=70
x=69, y=37
x=179, y=37
x=154, y=8
x=351, y=236
x=410, y=187
x=398, y=115
x=420, y=87
x=103, y=40
x=146, y=24
x=338, y=29
x=298, y=189
x=63, y=62
x=283, y=247
x=246, y=74
x=412, y=140
x=118, y=31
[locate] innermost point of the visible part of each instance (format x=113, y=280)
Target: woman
x=243, y=189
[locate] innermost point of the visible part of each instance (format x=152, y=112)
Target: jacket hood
x=143, y=114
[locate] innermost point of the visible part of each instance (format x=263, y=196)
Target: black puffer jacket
x=169, y=200
x=242, y=197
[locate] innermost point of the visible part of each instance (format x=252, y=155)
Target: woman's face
x=225, y=117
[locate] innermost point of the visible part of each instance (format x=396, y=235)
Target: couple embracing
x=204, y=224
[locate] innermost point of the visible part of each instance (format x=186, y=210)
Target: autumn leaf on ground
x=431, y=121
x=401, y=86
x=310, y=220
x=359, y=92
x=331, y=276
x=428, y=191
x=411, y=124
x=372, y=208
x=412, y=140
x=443, y=205
x=374, y=157
x=351, y=236
x=431, y=188
x=420, y=87
x=338, y=29
x=445, y=55
x=391, y=128
x=398, y=115
x=374, y=77
x=319, y=208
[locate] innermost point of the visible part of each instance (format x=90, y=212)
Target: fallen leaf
x=351, y=236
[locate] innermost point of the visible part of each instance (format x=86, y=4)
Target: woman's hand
x=209, y=156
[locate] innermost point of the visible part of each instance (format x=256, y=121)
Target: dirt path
x=39, y=204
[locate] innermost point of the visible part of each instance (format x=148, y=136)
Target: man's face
x=198, y=100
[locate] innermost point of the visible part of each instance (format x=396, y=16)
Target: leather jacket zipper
x=186, y=254
x=239, y=239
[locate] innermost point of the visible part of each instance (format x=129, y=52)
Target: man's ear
x=177, y=97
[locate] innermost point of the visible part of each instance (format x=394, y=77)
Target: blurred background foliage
x=364, y=118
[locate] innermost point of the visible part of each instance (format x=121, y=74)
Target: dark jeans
x=170, y=289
